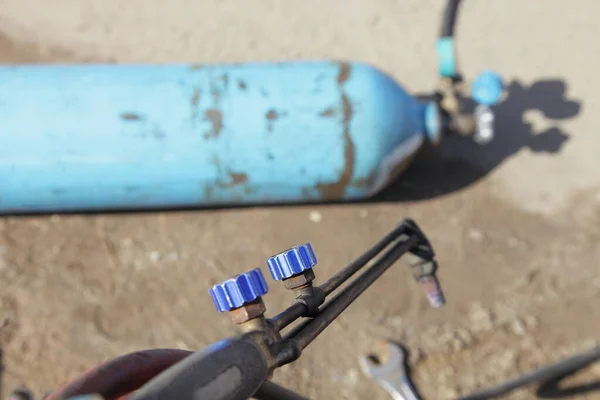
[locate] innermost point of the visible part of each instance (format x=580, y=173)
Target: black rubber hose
x=449, y=20
x=544, y=374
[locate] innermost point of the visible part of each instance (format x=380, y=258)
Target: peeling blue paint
x=136, y=136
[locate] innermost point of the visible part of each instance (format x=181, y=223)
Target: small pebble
x=481, y=318
x=475, y=235
x=518, y=327
x=315, y=217
x=417, y=354
x=154, y=256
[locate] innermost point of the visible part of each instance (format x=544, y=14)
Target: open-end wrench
x=390, y=371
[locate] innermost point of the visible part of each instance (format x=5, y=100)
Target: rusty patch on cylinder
x=367, y=182
x=236, y=179
x=344, y=73
x=336, y=190
x=327, y=113
x=215, y=117
x=272, y=115
x=131, y=117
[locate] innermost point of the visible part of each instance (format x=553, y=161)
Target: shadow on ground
x=554, y=390
x=459, y=162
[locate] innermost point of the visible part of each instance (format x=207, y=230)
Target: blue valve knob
x=292, y=262
x=487, y=88
x=239, y=290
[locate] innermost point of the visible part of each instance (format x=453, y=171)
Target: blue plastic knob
x=487, y=88
x=239, y=290
x=292, y=262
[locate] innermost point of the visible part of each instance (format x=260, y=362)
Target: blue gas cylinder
x=102, y=137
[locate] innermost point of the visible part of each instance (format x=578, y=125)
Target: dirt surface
x=516, y=225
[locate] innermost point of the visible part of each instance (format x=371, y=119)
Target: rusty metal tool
x=389, y=370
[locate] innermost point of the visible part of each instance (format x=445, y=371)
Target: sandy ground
x=516, y=224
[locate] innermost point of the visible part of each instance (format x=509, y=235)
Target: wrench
x=390, y=371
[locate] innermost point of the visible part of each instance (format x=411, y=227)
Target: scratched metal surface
x=135, y=136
